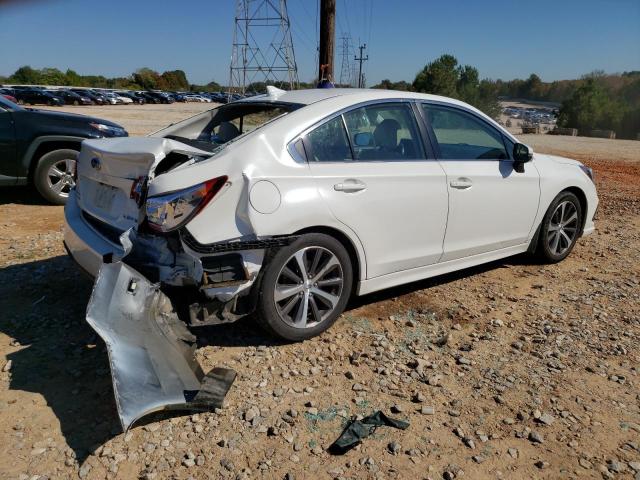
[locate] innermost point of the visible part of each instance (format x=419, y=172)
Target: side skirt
x=420, y=273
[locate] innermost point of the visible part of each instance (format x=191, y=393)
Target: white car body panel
x=491, y=206
x=402, y=203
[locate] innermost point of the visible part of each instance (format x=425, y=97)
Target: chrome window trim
x=496, y=128
x=342, y=111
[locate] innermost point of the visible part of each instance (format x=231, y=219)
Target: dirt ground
x=510, y=370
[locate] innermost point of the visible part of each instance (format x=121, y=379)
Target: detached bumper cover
x=151, y=352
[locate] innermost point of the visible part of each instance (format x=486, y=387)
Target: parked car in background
x=8, y=94
x=177, y=96
x=108, y=98
x=148, y=98
x=94, y=97
x=160, y=97
x=36, y=96
x=191, y=97
x=40, y=147
x=135, y=98
x=123, y=98
x=71, y=98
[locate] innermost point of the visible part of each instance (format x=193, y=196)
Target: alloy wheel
x=60, y=177
x=563, y=228
x=308, y=287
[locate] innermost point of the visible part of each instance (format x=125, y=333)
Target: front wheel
x=560, y=228
x=53, y=176
x=305, y=287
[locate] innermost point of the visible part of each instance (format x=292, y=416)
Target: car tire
x=52, y=186
x=560, y=228
x=20, y=102
x=76, y=103
x=318, y=301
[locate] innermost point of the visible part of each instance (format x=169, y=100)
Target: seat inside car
x=227, y=131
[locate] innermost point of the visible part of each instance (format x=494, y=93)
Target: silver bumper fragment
x=151, y=352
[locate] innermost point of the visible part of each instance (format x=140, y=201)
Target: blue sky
x=505, y=39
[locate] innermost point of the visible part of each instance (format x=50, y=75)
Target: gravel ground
x=509, y=370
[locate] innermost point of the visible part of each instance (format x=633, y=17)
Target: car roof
x=313, y=95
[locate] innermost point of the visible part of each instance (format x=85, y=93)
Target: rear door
x=373, y=171
x=491, y=205
x=8, y=161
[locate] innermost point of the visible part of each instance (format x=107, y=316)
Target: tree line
x=595, y=101
x=141, y=79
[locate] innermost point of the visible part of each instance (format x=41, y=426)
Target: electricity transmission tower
x=262, y=48
x=345, y=67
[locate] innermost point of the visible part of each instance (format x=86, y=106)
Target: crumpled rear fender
x=151, y=352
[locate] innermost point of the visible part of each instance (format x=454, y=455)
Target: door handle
x=350, y=185
x=461, y=183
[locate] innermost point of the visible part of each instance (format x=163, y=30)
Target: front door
x=8, y=167
x=372, y=170
x=491, y=205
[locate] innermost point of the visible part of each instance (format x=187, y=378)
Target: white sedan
x=288, y=203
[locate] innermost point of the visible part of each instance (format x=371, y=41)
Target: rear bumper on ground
x=87, y=247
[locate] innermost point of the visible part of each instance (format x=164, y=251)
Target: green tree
x=590, y=107
x=175, y=80
x=438, y=77
x=387, y=84
x=445, y=77
x=25, y=75
x=148, y=79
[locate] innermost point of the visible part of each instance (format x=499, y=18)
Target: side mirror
x=363, y=139
x=522, y=153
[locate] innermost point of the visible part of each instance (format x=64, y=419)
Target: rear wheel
x=305, y=287
x=560, y=228
x=53, y=177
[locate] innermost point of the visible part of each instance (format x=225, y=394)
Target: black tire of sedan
x=305, y=287
x=53, y=176
x=560, y=228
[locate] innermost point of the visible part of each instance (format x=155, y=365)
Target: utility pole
x=361, y=59
x=327, y=38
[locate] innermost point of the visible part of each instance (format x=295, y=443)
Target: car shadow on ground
x=24, y=195
x=59, y=356
x=62, y=359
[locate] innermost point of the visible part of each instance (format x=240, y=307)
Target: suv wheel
x=305, y=287
x=53, y=177
x=560, y=228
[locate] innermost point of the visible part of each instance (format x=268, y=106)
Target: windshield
x=213, y=130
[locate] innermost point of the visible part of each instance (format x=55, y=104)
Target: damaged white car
x=290, y=202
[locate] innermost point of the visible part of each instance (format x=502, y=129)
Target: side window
x=328, y=142
x=384, y=132
x=461, y=136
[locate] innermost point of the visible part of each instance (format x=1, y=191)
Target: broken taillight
x=172, y=210
x=138, y=190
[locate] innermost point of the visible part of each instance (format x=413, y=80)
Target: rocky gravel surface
x=509, y=370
